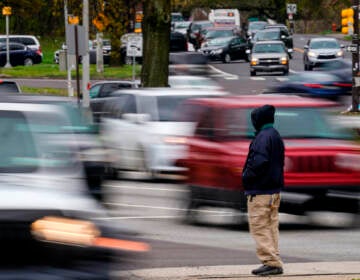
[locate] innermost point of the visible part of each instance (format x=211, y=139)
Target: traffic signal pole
x=355, y=59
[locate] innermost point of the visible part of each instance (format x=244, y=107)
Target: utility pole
x=85, y=58
x=68, y=62
x=355, y=59
x=6, y=11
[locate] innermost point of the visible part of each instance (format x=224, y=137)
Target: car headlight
x=312, y=54
x=65, y=231
x=254, y=61
x=284, y=60
x=340, y=53
x=218, y=51
x=175, y=140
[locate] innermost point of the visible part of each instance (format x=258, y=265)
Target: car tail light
x=348, y=161
x=88, y=86
x=39, y=51
x=342, y=84
x=313, y=85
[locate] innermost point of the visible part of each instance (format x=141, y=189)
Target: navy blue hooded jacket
x=263, y=172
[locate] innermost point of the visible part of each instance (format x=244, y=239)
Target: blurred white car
x=142, y=128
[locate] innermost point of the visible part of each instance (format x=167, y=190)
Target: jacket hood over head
x=262, y=115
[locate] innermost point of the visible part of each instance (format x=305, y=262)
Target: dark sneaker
x=267, y=270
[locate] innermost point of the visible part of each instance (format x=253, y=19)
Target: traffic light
x=347, y=21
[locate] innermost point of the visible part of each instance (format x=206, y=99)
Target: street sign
x=352, y=48
x=134, y=46
x=6, y=11
x=70, y=40
x=291, y=8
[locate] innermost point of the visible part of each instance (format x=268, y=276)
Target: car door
x=235, y=48
x=121, y=132
x=17, y=54
x=2, y=54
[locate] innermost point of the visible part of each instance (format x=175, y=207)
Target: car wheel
x=310, y=67
x=286, y=72
x=306, y=67
x=28, y=62
x=252, y=73
x=227, y=58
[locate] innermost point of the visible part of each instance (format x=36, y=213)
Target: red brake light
x=342, y=84
x=313, y=85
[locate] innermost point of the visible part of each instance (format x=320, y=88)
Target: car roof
x=268, y=42
x=323, y=39
x=251, y=101
x=136, y=82
x=168, y=92
x=222, y=28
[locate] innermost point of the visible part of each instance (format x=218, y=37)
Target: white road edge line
x=137, y=188
x=228, y=76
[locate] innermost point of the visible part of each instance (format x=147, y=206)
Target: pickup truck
x=322, y=159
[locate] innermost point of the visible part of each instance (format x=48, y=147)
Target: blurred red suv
x=322, y=160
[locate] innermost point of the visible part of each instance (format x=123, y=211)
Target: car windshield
x=25, y=149
x=324, y=45
x=8, y=87
x=316, y=77
x=182, y=24
x=292, y=123
x=219, y=41
x=218, y=33
x=267, y=36
x=268, y=48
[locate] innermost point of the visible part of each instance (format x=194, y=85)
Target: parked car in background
x=176, y=17
x=19, y=55
x=106, y=50
x=178, y=42
x=317, y=84
x=196, y=31
x=105, y=88
x=28, y=40
x=275, y=34
x=226, y=49
x=321, y=159
x=141, y=130
x=269, y=56
x=320, y=50
x=7, y=86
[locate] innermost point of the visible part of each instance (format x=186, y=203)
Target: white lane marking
x=165, y=208
x=226, y=75
x=257, y=78
x=137, y=188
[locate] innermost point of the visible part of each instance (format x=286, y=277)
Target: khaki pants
x=263, y=214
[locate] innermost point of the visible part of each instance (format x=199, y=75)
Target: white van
x=28, y=40
x=225, y=17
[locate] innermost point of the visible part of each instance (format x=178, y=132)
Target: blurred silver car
x=142, y=130
x=48, y=220
x=321, y=50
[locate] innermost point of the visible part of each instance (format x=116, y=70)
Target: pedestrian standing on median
x=263, y=179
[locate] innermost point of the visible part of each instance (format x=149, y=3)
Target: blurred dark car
x=317, y=84
x=106, y=50
x=226, y=49
x=219, y=32
x=7, y=86
x=321, y=159
x=50, y=227
x=272, y=34
x=19, y=55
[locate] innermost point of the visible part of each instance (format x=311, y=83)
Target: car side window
x=108, y=88
x=120, y=105
x=94, y=91
x=206, y=124
x=16, y=47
